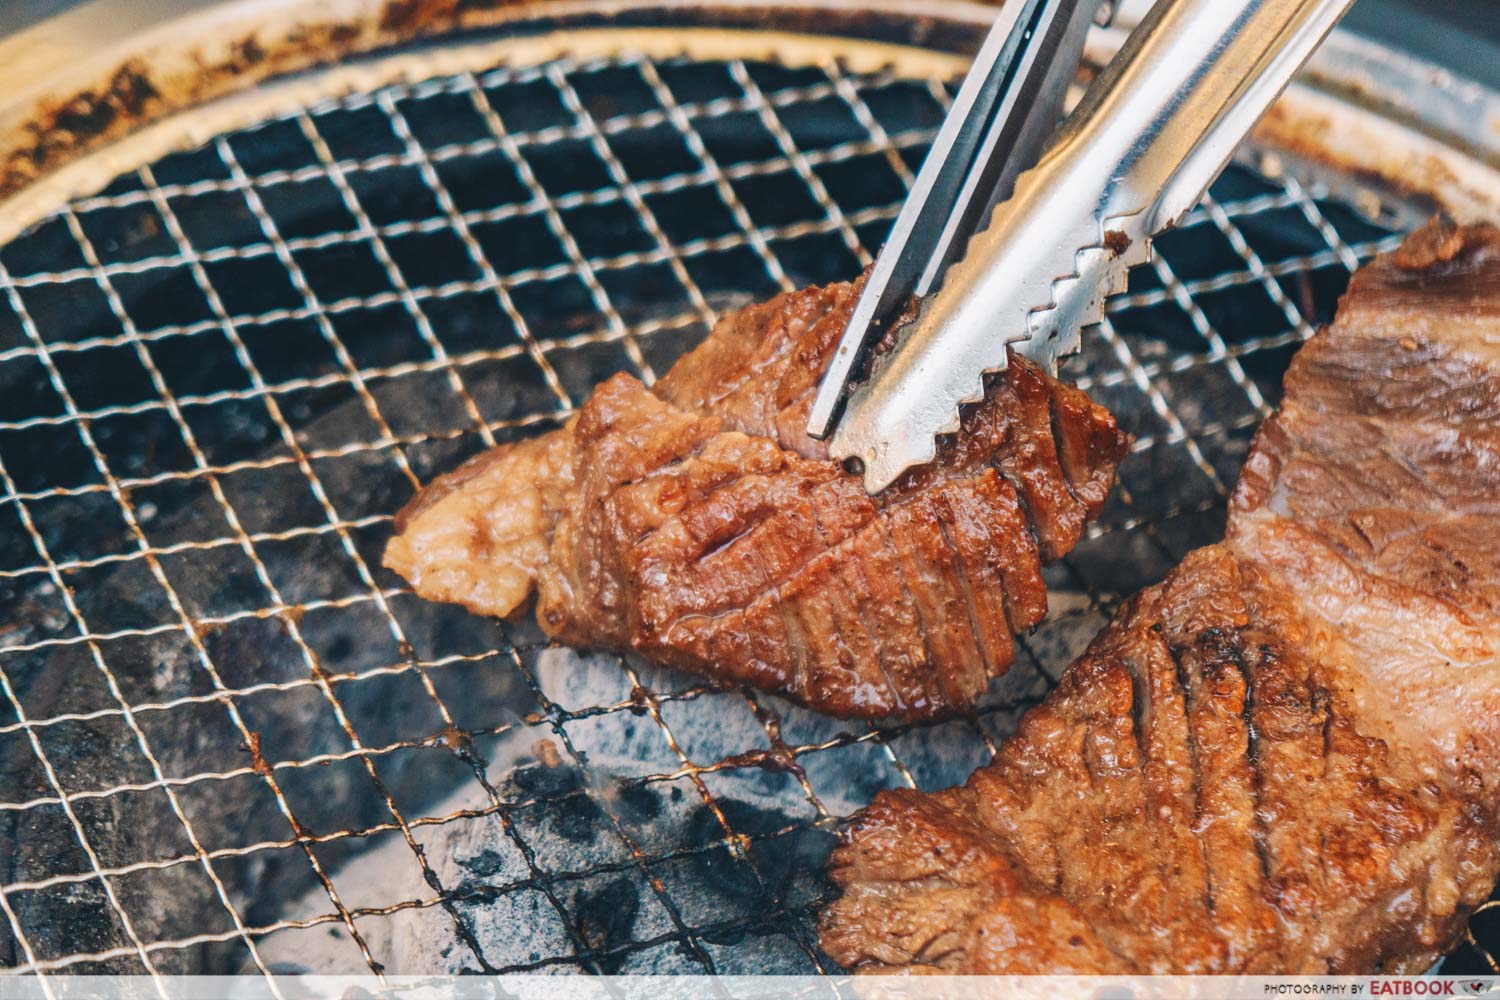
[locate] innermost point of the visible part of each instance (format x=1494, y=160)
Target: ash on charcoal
x=721, y=896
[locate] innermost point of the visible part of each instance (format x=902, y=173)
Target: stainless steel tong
x=1151, y=133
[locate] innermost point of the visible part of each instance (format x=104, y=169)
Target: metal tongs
x=1151, y=133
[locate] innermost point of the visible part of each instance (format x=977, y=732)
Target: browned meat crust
x=1283, y=758
x=696, y=522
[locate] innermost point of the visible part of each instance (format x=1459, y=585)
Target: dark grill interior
x=230, y=740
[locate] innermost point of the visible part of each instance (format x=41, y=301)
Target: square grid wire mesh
x=231, y=741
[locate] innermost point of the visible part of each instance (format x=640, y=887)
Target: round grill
x=232, y=741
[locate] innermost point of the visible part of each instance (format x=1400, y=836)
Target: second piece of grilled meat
x=1285, y=758
x=696, y=523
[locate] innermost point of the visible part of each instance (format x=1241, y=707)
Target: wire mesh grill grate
x=231, y=740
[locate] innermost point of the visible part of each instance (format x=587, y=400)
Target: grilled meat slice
x=1285, y=758
x=696, y=523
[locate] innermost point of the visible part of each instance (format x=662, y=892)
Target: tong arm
x=1005, y=111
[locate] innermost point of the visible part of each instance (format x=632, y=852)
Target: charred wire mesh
x=231, y=741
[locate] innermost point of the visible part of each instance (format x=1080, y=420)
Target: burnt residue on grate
x=221, y=375
x=145, y=88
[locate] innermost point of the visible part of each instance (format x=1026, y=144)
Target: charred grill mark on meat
x=1285, y=758
x=695, y=522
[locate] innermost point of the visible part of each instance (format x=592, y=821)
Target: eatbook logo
x=1433, y=987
